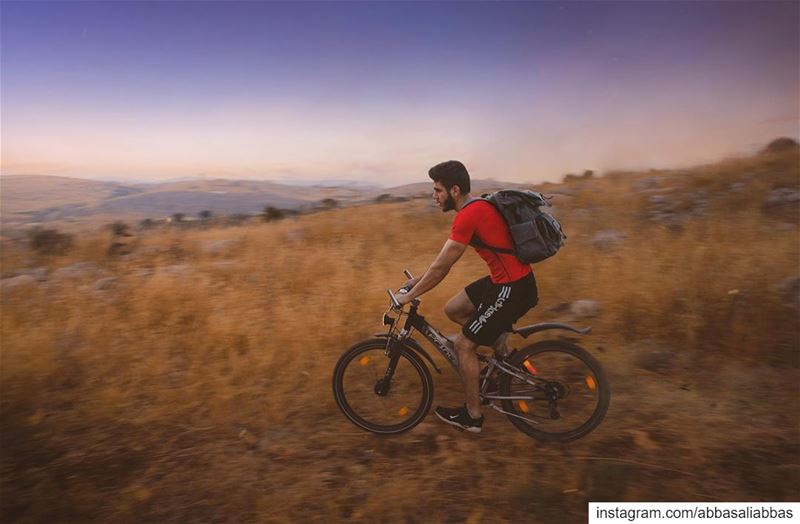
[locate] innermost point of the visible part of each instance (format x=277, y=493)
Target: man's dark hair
x=449, y=174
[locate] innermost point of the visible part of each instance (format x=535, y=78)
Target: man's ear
x=456, y=189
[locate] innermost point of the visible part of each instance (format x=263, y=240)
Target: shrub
x=781, y=144
x=120, y=229
x=49, y=242
x=272, y=213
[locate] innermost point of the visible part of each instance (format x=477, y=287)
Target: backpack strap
x=475, y=241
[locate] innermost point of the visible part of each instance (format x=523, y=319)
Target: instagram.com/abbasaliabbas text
x=692, y=512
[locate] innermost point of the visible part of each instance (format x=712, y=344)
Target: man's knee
x=459, y=308
x=464, y=345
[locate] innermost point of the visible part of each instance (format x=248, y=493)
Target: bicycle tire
x=410, y=364
x=559, y=348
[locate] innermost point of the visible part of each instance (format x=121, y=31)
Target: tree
x=272, y=213
x=329, y=203
x=205, y=214
x=178, y=217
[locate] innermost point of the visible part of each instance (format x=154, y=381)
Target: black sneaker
x=460, y=418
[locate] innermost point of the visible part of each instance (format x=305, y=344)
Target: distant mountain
x=24, y=194
x=36, y=198
x=480, y=185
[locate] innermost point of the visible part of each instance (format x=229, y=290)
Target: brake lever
x=393, y=298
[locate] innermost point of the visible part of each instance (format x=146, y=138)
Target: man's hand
x=409, y=284
x=403, y=298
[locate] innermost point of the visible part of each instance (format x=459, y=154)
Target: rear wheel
x=375, y=403
x=560, y=393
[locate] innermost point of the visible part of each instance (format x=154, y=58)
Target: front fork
x=393, y=349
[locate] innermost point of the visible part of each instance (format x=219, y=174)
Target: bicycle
x=553, y=390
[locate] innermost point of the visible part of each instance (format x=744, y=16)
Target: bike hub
x=381, y=387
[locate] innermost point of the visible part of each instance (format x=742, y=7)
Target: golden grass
x=197, y=387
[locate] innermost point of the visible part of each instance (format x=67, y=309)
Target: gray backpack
x=536, y=234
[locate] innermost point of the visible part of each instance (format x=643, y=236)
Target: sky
x=380, y=91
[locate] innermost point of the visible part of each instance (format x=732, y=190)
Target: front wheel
x=558, y=393
x=377, y=401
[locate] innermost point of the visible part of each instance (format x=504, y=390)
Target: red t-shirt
x=483, y=219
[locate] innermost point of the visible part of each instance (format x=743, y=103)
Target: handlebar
x=393, y=297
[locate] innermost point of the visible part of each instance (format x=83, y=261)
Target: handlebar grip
x=395, y=303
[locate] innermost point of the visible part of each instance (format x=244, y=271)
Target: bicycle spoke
x=402, y=399
x=554, y=393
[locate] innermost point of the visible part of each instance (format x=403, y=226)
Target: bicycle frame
x=445, y=347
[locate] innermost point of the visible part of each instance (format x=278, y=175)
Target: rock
x=561, y=307
x=673, y=211
x=296, y=235
x=643, y=440
x=736, y=187
x=176, y=270
x=224, y=265
x=39, y=273
x=699, y=203
x=76, y=271
x=584, y=308
x=221, y=247
x=150, y=251
x=789, y=290
x=607, y=239
x=8, y=284
x=780, y=198
x=104, y=284
x=653, y=358
x=662, y=209
x=647, y=183
x=121, y=246
x=145, y=272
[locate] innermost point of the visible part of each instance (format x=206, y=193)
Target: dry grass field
x=189, y=381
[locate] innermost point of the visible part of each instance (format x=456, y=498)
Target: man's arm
x=448, y=256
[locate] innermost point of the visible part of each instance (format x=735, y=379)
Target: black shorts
x=497, y=307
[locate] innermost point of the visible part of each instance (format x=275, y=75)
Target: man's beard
x=449, y=204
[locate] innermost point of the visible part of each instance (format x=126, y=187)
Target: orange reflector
x=403, y=411
x=523, y=406
x=530, y=368
x=590, y=383
x=363, y=361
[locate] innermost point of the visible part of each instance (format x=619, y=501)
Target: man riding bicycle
x=486, y=308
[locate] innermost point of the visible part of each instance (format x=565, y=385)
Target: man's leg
x=459, y=308
x=500, y=347
x=469, y=369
